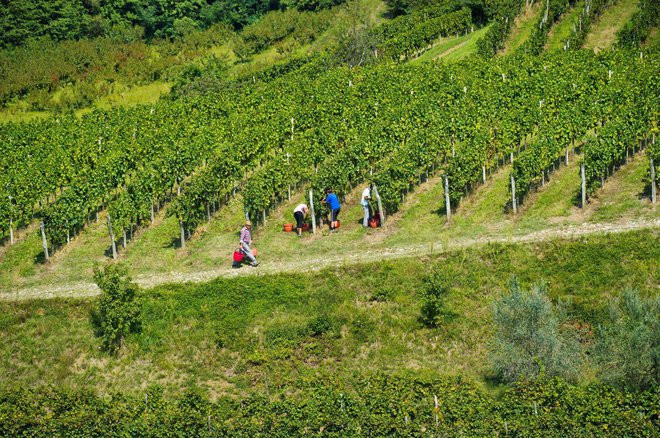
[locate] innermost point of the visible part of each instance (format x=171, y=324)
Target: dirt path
x=88, y=289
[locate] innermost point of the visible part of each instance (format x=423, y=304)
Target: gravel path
x=89, y=289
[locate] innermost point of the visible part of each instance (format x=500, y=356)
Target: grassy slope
x=464, y=45
x=564, y=27
x=228, y=336
x=522, y=28
x=603, y=32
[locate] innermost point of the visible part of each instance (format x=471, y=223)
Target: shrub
x=628, y=349
x=322, y=324
x=435, y=291
x=118, y=311
x=528, y=341
x=382, y=294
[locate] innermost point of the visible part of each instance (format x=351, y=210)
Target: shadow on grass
x=174, y=243
x=40, y=258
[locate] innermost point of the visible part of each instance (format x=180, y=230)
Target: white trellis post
x=447, y=203
x=311, y=208
x=44, y=242
x=513, y=194
x=584, y=185
x=381, y=212
x=112, y=239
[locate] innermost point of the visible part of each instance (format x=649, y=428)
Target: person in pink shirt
x=246, y=241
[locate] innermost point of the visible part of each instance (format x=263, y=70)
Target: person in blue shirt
x=335, y=207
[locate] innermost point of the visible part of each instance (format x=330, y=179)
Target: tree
x=628, y=349
x=528, y=340
x=118, y=310
x=356, y=43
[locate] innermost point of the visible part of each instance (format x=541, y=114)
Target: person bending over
x=299, y=213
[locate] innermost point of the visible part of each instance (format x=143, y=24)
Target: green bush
x=528, y=340
x=382, y=293
x=118, y=310
x=435, y=291
x=628, y=349
x=322, y=325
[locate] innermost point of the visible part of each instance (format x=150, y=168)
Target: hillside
x=510, y=287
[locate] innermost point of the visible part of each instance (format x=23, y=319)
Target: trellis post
x=183, y=234
x=513, y=194
x=44, y=242
x=381, y=212
x=447, y=203
x=112, y=239
x=584, y=185
x=653, y=185
x=311, y=208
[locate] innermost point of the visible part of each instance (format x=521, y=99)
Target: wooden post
x=11, y=229
x=584, y=185
x=483, y=174
x=653, y=185
x=311, y=208
x=183, y=234
x=112, y=239
x=447, y=203
x=152, y=212
x=567, y=155
x=381, y=212
x=513, y=195
x=44, y=242
x=123, y=243
x=208, y=211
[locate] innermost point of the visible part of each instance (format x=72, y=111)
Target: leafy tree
x=528, y=339
x=629, y=348
x=118, y=310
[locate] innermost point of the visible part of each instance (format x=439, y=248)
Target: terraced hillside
x=511, y=286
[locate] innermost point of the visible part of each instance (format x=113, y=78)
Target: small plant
x=321, y=325
x=528, y=341
x=628, y=349
x=435, y=291
x=118, y=310
x=382, y=294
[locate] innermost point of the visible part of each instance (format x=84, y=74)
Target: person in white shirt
x=299, y=213
x=366, y=197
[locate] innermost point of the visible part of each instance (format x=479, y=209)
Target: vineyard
x=515, y=189
x=391, y=125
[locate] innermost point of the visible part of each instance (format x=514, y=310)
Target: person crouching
x=246, y=241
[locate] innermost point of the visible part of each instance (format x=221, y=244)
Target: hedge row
x=377, y=405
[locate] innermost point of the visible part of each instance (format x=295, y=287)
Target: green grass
x=563, y=29
x=465, y=49
x=522, y=28
x=135, y=95
x=447, y=46
x=226, y=334
x=555, y=203
x=603, y=31
x=626, y=199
